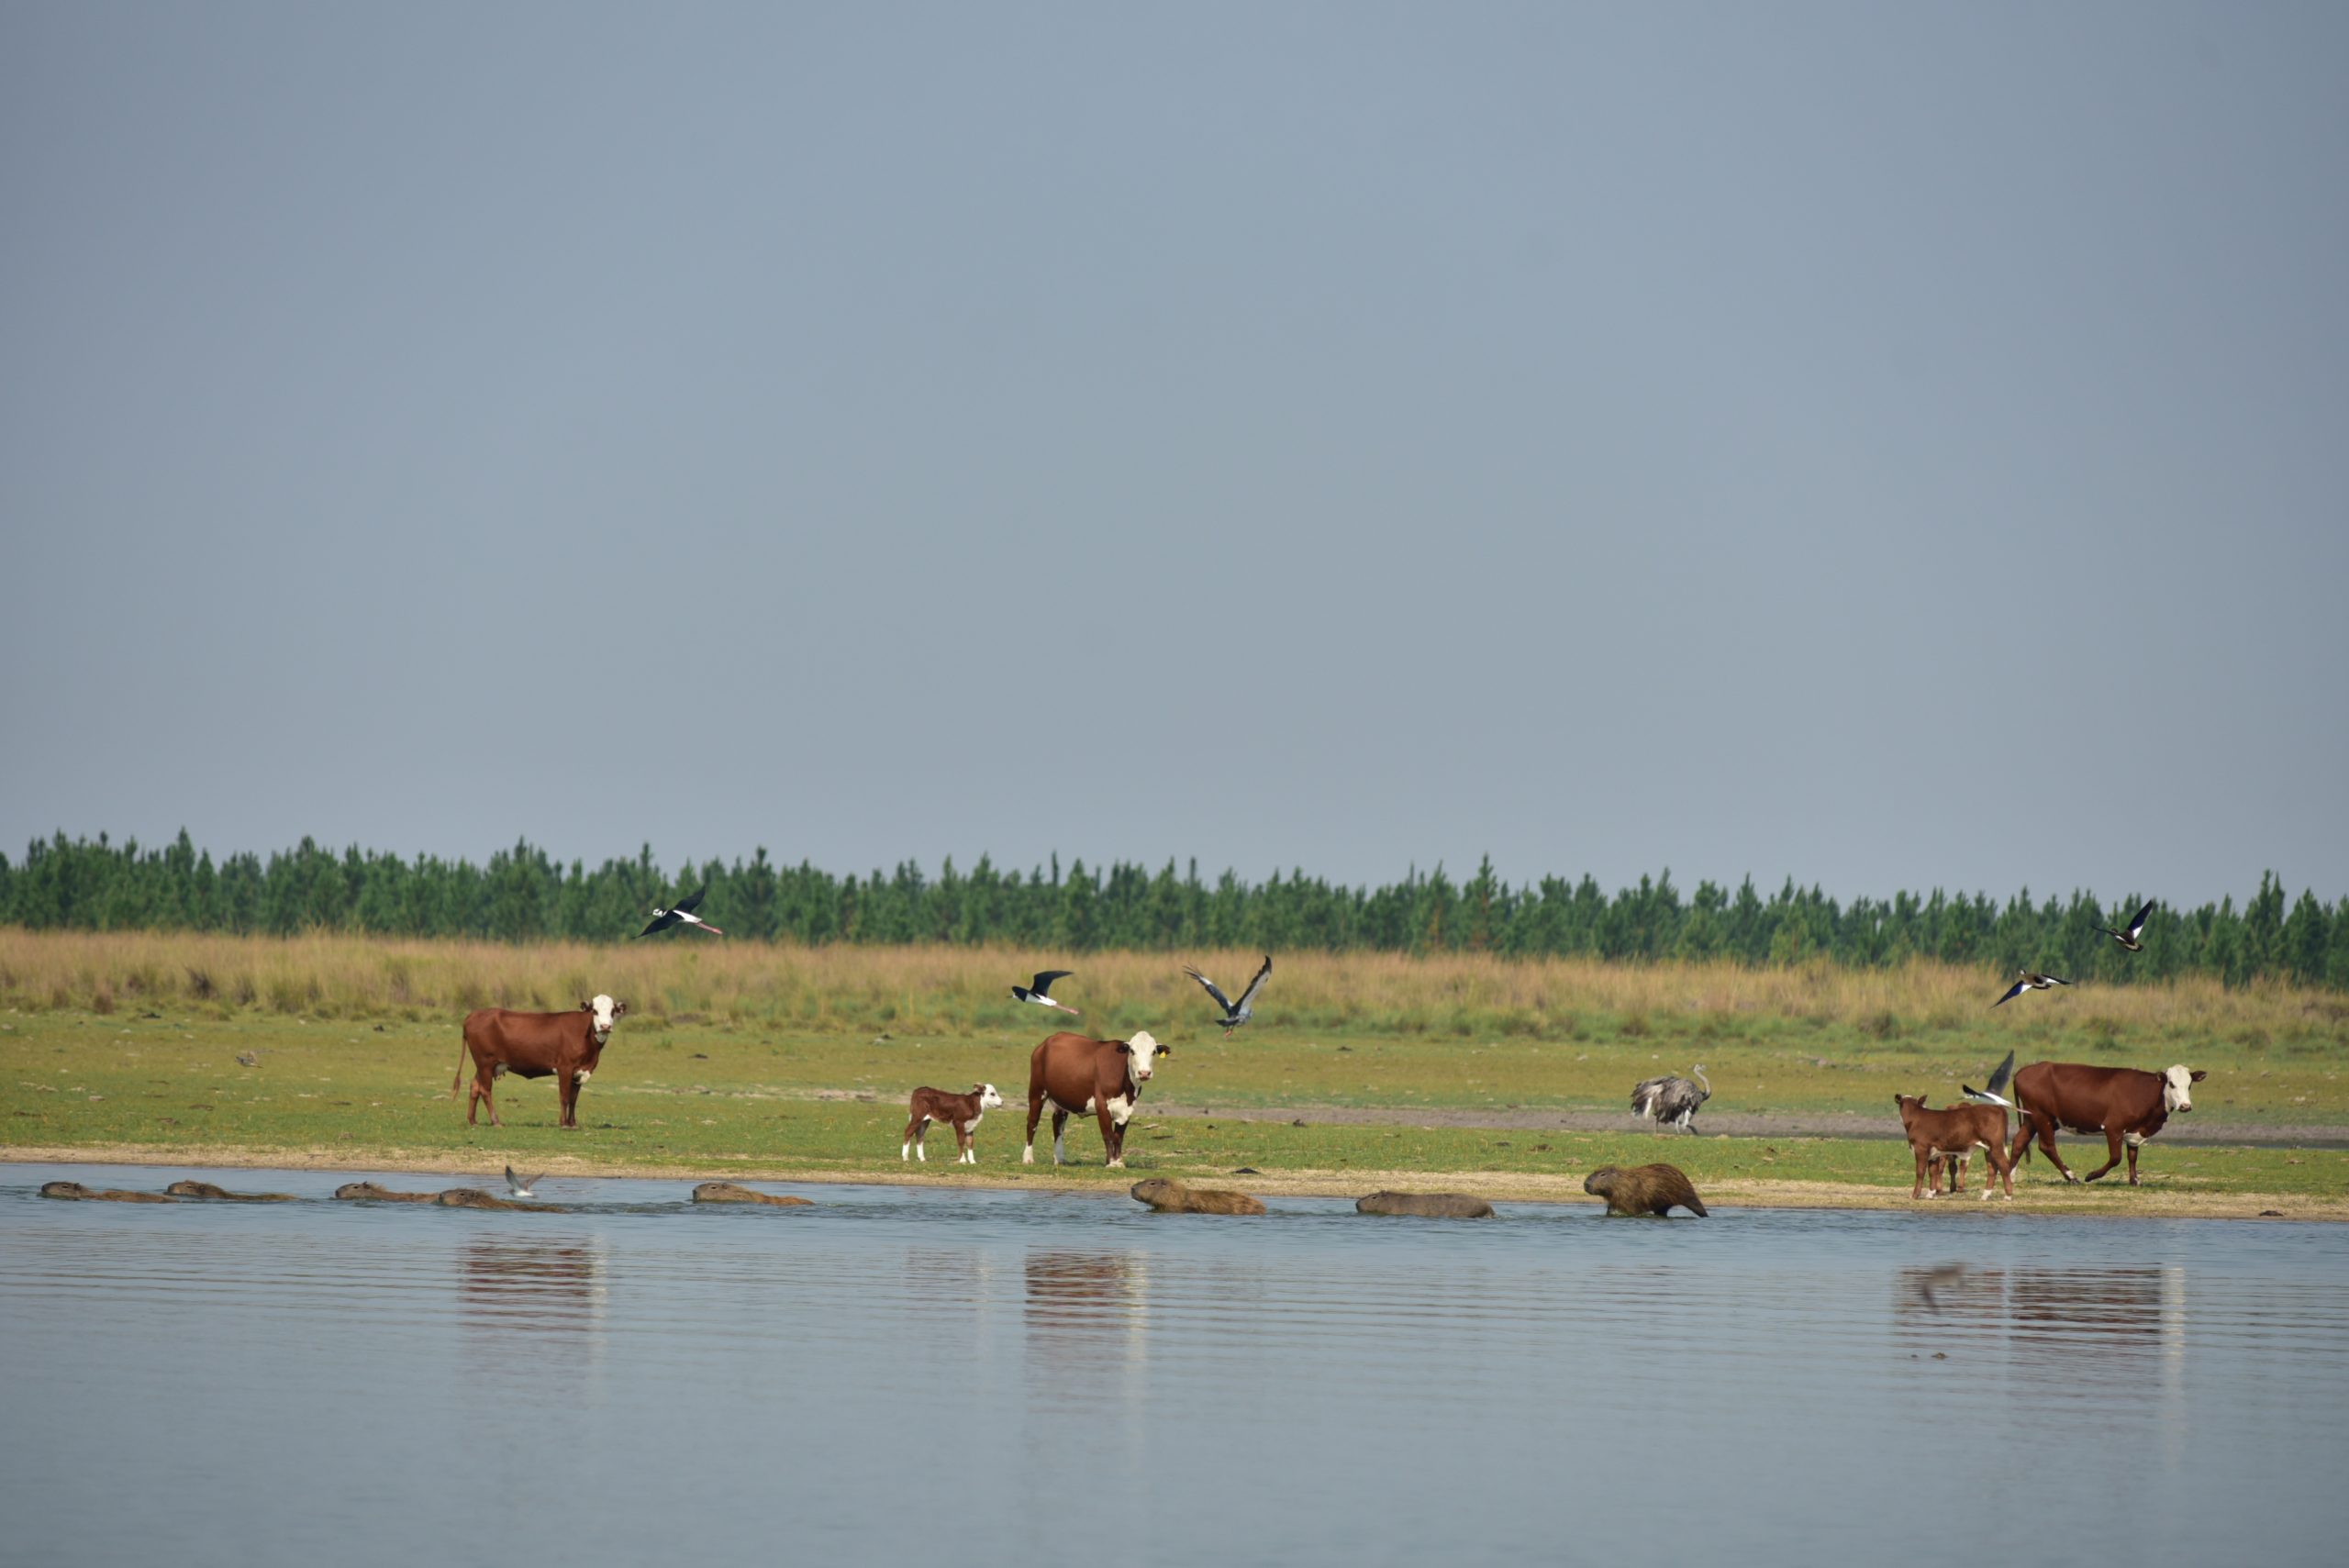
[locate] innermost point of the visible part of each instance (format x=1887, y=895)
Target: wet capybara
x=1173, y=1197
x=1643, y=1189
x=473, y=1197
x=727, y=1192
x=92, y=1194
x=222, y=1195
x=1426, y=1206
x=374, y=1194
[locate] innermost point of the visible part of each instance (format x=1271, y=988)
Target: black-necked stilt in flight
x=1039, y=990
x=2131, y=939
x=522, y=1186
x=1240, y=1012
x=2029, y=982
x=680, y=913
x=1995, y=1092
x=1671, y=1100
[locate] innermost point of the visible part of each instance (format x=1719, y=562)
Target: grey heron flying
x=1240, y=1012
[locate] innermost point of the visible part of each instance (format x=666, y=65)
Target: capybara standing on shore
x=1643, y=1189
x=1173, y=1197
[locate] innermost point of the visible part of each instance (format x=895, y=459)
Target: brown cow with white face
x=2128, y=1105
x=533, y=1045
x=1078, y=1075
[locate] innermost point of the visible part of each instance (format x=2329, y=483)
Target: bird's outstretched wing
x=2052, y=979
x=1221, y=1000
x=2137, y=926
x=1997, y=1084
x=660, y=922
x=1248, y=997
x=1043, y=983
x=2016, y=989
x=690, y=904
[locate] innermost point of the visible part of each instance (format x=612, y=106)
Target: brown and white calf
x=1077, y=1076
x=961, y=1112
x=1952, y=1134
x=2128, y=1105
x=534, y=1045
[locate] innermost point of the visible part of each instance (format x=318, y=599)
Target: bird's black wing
x=690, y=904
x=1248, y=997
x=1043, y=983
x=661, y=922
x=2137, y=926
x=1221, y=1000
x=2016, y=989
x=1997, y=1084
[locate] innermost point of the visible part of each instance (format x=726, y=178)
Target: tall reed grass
x=955, y=990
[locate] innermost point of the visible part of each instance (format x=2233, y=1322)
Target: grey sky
x=1890, y=446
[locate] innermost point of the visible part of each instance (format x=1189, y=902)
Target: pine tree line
x=522, y=895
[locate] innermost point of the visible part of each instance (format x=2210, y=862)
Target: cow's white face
x=988, y=1098
x=1143, y=1047
x=2177, y=1090
x=603, y=1013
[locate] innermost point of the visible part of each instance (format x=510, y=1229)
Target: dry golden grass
x=948, y=990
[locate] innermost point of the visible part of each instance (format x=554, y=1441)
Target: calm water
x=902, y=1375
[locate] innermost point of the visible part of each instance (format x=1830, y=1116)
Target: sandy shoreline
x=2035, y=1198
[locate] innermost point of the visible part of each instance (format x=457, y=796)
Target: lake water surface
x=905, y=1374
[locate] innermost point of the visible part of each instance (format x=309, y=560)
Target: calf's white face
x=1143, y=1047
x=988, y=1098
x=603, y=1013
x=2177, y=1090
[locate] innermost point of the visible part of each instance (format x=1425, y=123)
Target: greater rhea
x=680, y=914
x=2131, y=939
x=1993, y=1093
x=1039, y=990
x=1240, y=1012
x=1672, y=1100
x=2029, y=982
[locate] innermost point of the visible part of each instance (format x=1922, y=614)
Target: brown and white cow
x=1954, y=1133
x=961, y=1112
x=532, y=1045
x=2128, y=1105
x=1078, y=1075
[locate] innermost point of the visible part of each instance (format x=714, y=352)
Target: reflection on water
x=284, y=1382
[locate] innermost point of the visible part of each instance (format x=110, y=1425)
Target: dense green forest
x=522, y=895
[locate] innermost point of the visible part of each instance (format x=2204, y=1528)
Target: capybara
x=92, y=1194
x=1643, y=1189
x=727, y=1192
x=1426, y=1206
x=1173, y=1197
x=222, y=1195
x=473, y=1197
x=374, y=1194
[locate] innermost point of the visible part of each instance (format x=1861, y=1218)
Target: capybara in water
x=473, y=1197
x=1173, y=1197
x=222, y=1195
x=374, y=1193
x=76, y=1190
x=727, y=1192
x=1643, y=1189
x=1426, y=1206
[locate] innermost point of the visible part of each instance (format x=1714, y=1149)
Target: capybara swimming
x=473, y=1197
x=1426, y=1206
x=1173, y=1197
x=92, y=1194
x=727, y=1192
x=222, y=1195
x=374, y=1194
x=1643, y=1189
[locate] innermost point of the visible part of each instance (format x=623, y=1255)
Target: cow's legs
x=1924, y=1157
x=914, y=1130
x=964, y=1141
x=1113, y=1139
x=2002, y=1167
x=482, y=1096
x=1060, y=1128
x=1035, y=1110
x=566, y=1085
x=2132, y=1161
x=2045, y=1126
x=2112, y=1150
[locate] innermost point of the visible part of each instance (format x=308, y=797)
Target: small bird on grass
x=1240, y=1012
x=1039, y=990
x=522, y=1186
x=2029, y=982
x=1995, y=1092
x=681, y=913
x=2131, y=939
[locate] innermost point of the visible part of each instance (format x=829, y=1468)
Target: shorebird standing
x=1672, y=1100
x=522, y=1186
x=1240, y=1012
x=1993, y=1093
x=2131, y=939
x=1039, y=990
x=681, y=913
x=2029, y=982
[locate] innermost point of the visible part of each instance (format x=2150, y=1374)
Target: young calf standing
x=1954, y=1133
x=961, y=1112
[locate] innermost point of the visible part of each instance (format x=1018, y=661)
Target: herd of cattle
x=1072, y=1075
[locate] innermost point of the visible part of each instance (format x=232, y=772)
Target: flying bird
x=1240, y=1012
x=522, y=1186
x=682, y=912
x=2029, y=982
x=1039, y=990
x=1672, y=1100
x=2131, y=939
x=1993, y=1093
